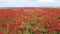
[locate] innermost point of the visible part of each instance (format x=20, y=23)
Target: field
x=30, y=21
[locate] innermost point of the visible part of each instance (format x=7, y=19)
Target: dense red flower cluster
x=30, y=21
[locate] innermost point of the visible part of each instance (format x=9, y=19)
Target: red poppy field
x=30, y=21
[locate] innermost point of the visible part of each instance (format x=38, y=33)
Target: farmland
x=30, y=21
